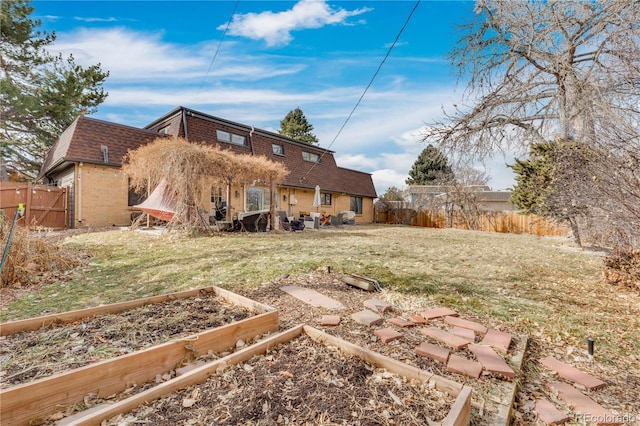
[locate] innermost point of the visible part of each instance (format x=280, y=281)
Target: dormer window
x=311, y=157
x=105, y=153
x=228, y=137
x=277, y=149
x=164, y=130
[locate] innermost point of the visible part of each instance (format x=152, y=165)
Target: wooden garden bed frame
x=28, y=402
x=31, y=324
x=459, y=414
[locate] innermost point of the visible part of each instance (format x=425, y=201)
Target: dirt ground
x=300, y=382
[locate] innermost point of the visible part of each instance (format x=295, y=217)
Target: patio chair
x=337, y=220
x=284, y=220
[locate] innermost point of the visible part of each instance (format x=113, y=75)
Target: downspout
x=79, y=194
x=184, y=125
x=251, y=140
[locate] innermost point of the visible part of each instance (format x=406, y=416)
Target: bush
x=623, y=268
x=31, y=259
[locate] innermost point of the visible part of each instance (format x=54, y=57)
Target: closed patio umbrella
x=316, y=198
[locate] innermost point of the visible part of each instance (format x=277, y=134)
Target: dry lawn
x=540, y=286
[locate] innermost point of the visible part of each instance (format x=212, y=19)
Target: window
x=325, y=199
x=356, y=204
x=238, y=139
x=134, y=198
x=277, y=149
x=164, y=130
x=257, y=199
x=218, y=204
x=224, y=136
x=311, y=157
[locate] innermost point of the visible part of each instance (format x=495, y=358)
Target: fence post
x=27, y=212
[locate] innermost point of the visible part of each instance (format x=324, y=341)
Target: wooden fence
x=491, y=221
x=45, y=206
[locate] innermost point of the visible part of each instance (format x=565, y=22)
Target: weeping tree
x=537, y=70
x=190, y=169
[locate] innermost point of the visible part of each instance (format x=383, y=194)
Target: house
x=88, y=157
x=424, y=196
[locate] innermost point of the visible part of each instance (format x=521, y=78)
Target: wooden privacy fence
x=45, y=206
x=502, y=221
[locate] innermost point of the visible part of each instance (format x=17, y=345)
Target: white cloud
x=275, y=28
x=356, y=162
x=383, y=179
x=79, y=18
x=128, y=54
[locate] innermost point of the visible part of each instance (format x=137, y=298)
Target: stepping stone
x=456, y=342
x=498, y=339
x=401, y=322
x=330, y=320
x=367, y=317
x=387, y=334
x=433, y=351
x=465, y=333
x=572, y=374
x=438, y=313
x=590, y=411
x=417, y=319
x=548, y=413
x=312, y=297
x=491, y=361
x=471, y=325
x=461, y=365
x=377, y=305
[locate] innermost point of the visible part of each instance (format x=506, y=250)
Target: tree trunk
x=575, y=231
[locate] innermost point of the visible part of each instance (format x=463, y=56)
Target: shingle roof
x=83, y=139
x=201, y=128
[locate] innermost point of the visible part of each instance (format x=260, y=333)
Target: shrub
x=31, y=259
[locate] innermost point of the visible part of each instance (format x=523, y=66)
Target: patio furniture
x=254, y=221
x=284, y=220
x=337, y=220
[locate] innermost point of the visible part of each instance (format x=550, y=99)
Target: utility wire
x=406, y=22
x=235, y=6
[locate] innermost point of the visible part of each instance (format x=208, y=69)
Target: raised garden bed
x=34, y=401
x=303, y=375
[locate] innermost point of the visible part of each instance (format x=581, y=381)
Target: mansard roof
x=309, y=165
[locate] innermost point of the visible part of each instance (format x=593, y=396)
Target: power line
x=235, y=6
x=406, y=22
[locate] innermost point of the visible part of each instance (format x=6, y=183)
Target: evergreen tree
x=40, y=94
x=296, y=126
x=431, y=168
x=554, y=182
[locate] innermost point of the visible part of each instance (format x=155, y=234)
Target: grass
x=539, y=286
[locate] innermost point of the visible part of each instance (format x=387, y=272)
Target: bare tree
x=538, y=70
x=460, y=200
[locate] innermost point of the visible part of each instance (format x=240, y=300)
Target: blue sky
x=274, y=56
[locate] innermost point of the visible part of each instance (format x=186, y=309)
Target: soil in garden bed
x=297, y=382
x=31, y=355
